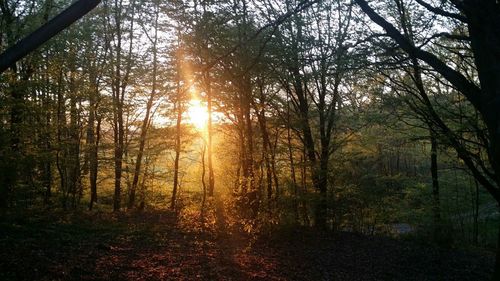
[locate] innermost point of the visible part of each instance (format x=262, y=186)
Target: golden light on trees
x=197, y=114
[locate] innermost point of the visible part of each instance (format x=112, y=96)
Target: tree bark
x=119, y=85
x=204, y=185
x=266, y=144
x=496, y=274
x=436, y=207
x=94, y=160
x=211, y=177
x=290, y=158
x=145, y=121
x=252, y=194
x=177, y=147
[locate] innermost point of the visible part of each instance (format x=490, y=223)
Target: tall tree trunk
x=145, y=121
x=436, y=208
x=73, y=145
x=142, y=190
x=211, y=177
x=203, y=183
x=290, y=158
x=273, y=167
x=267, y=160
x=61, y=154
x=177, y=146
x=94, y=158
x=91, y=148
x=496, y=274
x=119, y=85
x=418, y=81
x=302, y=108
x=252, y=194
x=243, y=162
x=303, y=179
x=266, y=142
x=476, y=214
x=93, y=138
x=261, y=117
x=117, y=110
x=47, y=164
x=10, y=160
x=74, y=150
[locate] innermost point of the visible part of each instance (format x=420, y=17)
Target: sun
x=197, y=114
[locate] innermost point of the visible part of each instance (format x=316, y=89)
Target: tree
x=481, y=20
x=315, y=66
x=149, y=104
x=179, y=108
x=122, y=59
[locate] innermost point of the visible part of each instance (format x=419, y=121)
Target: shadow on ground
x=155, y=245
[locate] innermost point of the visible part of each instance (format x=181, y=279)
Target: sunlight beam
x=198, y=115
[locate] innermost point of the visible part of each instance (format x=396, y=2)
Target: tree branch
x=470, y=90
x=442, y=12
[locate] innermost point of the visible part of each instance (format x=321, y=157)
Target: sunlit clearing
x=198, y=114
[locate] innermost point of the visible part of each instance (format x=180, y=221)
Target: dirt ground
x=158, y=245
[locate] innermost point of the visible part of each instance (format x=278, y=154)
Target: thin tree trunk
x=252, y=195
x=476, y=214
x=47, y=165
x=303, y=178
x=10, y=177
x=117, y=112
x=435, y=188
x=265, y=151
x=211, y=177
x=177, y=146
x=496, y=274
x=119, y=85
x=94, y=162
x=292, y=164
x=204, y=185
x=273, y=168
x=142, y=191
x=74, y=150
x=61, y=135
x=145, y=121
x=243, y=162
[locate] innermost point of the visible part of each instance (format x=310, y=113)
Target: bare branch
x=469, y=89
x=442, y=12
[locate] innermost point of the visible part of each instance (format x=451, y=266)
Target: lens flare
x=197, y=114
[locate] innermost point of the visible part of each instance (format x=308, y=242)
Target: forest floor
x=159, y=245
